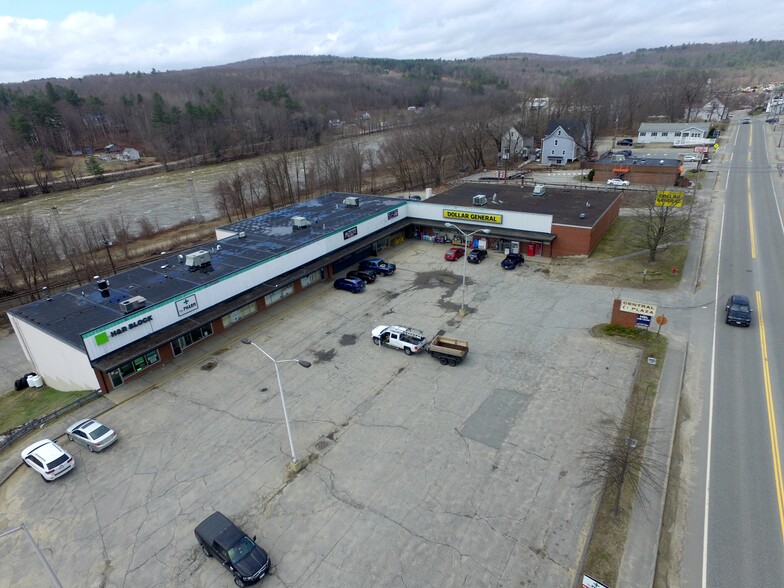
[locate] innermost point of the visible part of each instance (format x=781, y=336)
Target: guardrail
x=19, y=432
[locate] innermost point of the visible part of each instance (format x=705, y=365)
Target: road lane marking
x=774, y=436
x=705, y=517
x=752, y=235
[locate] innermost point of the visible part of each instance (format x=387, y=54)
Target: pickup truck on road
x=409, y=340
x=238, y=553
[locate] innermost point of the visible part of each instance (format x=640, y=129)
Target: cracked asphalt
x=419, y=474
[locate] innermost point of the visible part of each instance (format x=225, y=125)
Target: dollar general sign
x=664, y=198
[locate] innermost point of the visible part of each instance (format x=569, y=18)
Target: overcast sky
x=60, y=38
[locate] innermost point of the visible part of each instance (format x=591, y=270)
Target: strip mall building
x=107, y=333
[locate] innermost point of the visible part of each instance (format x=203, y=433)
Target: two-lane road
x=743, y=532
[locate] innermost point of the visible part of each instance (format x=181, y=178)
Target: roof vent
x=582, y=215
x=197, y=260
x=480, y=200
x=539, y=190
x=133, y=303
x=241, y=235
x=351, y=201
x=299, y=222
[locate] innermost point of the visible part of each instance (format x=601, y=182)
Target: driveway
x=420, y=474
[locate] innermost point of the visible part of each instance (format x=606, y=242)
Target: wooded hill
x=283, y=103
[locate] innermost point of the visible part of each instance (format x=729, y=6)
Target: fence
x=14, y=434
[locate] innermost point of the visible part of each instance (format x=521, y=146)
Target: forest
x=435, y=119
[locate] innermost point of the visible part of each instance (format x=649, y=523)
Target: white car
x=48, y=459
x=92, y=434
x=690, y=159
x=617, y=182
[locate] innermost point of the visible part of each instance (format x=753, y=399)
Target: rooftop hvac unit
x=133, y=303
x=241, y=235
x=480, y=200
x=197, y=259
x=299, y=222
x=351, y=201
x=539, y=190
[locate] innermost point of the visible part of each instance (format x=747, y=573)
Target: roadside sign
x=667, y=198
x=643, y=321
x=638, y=307
x=589, y=582
x=715, y=146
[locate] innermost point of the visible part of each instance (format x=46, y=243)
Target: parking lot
x=420, y=474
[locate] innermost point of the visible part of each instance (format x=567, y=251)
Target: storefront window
x=138, y=364
x=188, y=339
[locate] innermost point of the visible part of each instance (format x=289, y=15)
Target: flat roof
x=67, y=315
x=564, y=204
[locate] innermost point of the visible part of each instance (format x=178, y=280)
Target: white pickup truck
x=409, y=340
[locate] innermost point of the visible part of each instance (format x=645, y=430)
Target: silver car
x=92, y=434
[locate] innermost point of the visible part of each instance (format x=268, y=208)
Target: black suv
x=476, y=256
x=625, y=142
x=738, y=311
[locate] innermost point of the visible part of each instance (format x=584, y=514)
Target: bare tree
x=617, y=459
x=664, y=218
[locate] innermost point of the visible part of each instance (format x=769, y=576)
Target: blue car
x=354, y=285
x=512, y=260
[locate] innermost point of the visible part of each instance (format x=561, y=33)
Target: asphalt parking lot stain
x=326, y=355
x=348, y=339
x=209, y=366
x=439, y=279
x=491, y=422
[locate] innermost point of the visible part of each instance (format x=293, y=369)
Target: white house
x=775, y=105
x=677, y=134
x=130, y=154
x=516, y=145
x=564, y=141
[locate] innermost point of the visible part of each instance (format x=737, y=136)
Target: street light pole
x=465, y=255
x=303, y=363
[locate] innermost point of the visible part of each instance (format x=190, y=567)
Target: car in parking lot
x=354, y=285
x=378, y=265
x=476, y=255
x=617, y=182
x=238, y=553
x=48, y=459
x=772, y=119
x=690, y=159
x=366, y=276
x=626, y=142
x=738, y=310
x=92, y=434
x=454, y=254
x=512, y=260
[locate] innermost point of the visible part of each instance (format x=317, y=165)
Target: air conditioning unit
x=197, y=259
x=299, y=222
x=351, y=201
x=480, y=200
x=539, y=190
x=241, y=235
x=133, y=303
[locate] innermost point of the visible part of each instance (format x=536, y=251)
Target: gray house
x=516, y=145
x=676, y=134
x=564, y=141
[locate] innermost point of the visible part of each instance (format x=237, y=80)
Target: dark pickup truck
x=238, y=553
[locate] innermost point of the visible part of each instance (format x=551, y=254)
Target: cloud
x=177, y=34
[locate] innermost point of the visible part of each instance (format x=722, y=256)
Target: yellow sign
x=715, y=146
x=665, y=198
x=474, y=216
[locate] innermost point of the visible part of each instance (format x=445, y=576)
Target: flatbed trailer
x=447, y=350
